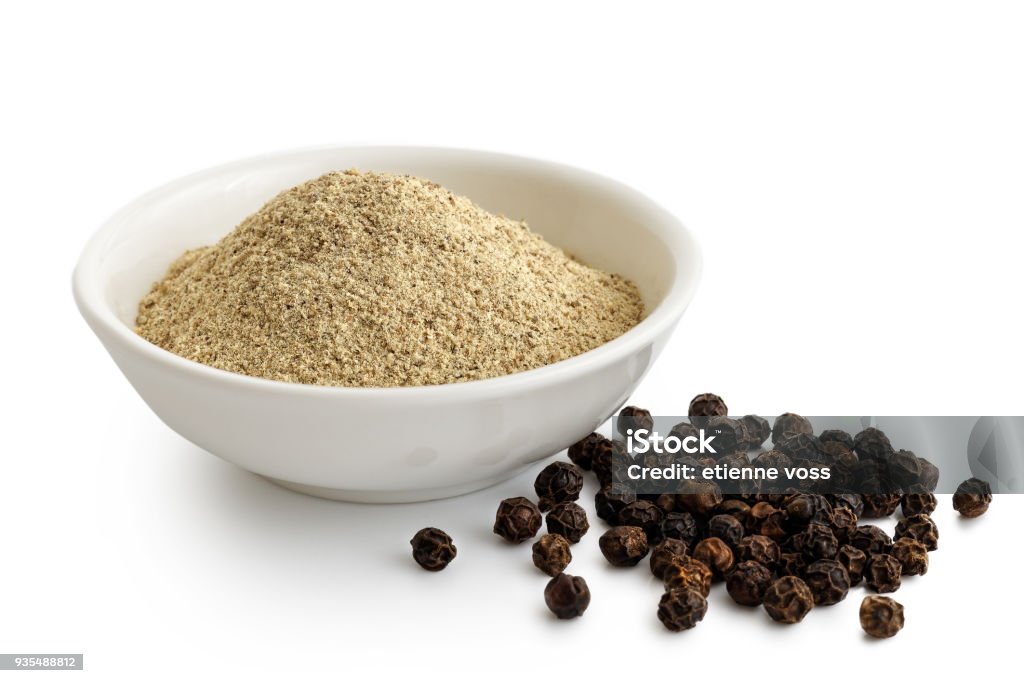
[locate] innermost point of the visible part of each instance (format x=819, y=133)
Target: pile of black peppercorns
x=785, y=550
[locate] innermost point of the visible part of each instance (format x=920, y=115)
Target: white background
x=853, y=170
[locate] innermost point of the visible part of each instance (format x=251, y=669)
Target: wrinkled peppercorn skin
x=432, y=549
x=682, y=609
x=872, y=444
x=552, y=554
x=816, y=542
x=517, y=519
x=788, y=425
x=883, y=573
x=633, y=418
x=788, y=600
x=760, y=549
x=609, y=502
x=646, y=515
x=704, y=406
x=727, y=528
x=828, y=580
x=730, y=435
x=567, y=596
x=879, y=505
x=918, y=503
x=855, y=561
x=836, y=436
x=664, y=553
x=716, y=555
x=912, y=556
x=758, y=431
x=920, y=528
x=568, y=520
x=748, y=582
x=686, y=572
x=624, y=546
x=871, y=540
x=681, y=526
x=581, y=453
x=972, y=497
x=559, y=482
x=881, y=617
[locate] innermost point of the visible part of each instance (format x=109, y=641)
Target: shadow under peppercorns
x=259, y=512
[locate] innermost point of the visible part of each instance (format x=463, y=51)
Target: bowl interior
x=602, y=222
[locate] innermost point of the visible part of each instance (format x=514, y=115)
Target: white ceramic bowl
x=390, y=444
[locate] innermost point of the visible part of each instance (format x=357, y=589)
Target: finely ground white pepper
x=378, y=280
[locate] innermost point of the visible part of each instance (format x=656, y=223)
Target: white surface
x=852, y=171
x=440, y=440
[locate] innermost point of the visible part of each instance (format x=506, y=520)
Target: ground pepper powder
x=379, y=280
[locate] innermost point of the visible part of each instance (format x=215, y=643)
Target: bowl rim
x=680, y=241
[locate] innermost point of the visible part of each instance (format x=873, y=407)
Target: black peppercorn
x=681, y=526
x=854, y=560
x=568, y=520
x=918, y=503
x=582, y=452
x=903, y=469
x=735, y=507
x=559, y=482
x=624, y=546
x=767, y=520
x=644, y=514
x=517, y=520
x=802, y=446
x=881, y=617
x=883, y=573
x=805, y=508
x=844, y=523
x=828, y=580
x=873, y=444
x=773, y=458
x=816, y=542
x=633, y=418
x=700, y=497
x=871, y=540
x=683, y=430
x=791, y=564
x=664, y=553
x=730, y=435
x=747, y=583
x=704, y=406
x=686, y=572
x=758, y=431
x=852, y=501
x=758, y=548
x=789, y=425
x=551, y=554
x=929, y=475
x=727, y=528
x=788, y=600
x=432, y=549
x=837, y=436
x=912, y=556
x=716, y=555
x=920, y=528
x=682, y=609
x=567, y=596
x=972, y=497
x=609, y=501
x=606, y=454
x=878, y=505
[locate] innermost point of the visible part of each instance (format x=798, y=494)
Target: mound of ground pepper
x=379, y=280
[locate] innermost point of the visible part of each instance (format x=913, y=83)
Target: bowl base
x=411, y=496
